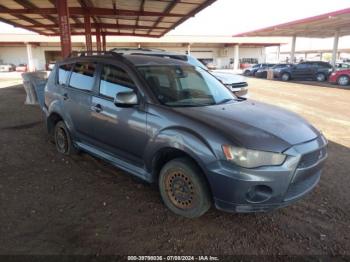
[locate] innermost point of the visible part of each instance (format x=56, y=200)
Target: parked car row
x=12, y=67
x=310, y=70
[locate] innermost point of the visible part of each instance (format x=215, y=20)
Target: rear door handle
x=65, y=96
x=97, y=108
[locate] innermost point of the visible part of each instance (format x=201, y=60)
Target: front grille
x=235, y=85
x=312, y=158
x=299, y=188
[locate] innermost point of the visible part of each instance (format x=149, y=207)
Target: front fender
x=182, y=139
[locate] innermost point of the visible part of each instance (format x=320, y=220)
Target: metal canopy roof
x=151, y=18
x=320, y=26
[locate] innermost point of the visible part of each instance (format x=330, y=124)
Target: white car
x=7, y=67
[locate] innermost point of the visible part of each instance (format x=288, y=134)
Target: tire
x=63, y=139
x=343, y=80
x=246, y=73
x=285, y=77
x=320, y=77
x=183, y=188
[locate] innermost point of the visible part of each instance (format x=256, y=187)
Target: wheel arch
x=342, y=75
x=52, y=120
x=166, y=154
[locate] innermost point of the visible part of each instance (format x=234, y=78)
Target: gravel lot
x=60, y=205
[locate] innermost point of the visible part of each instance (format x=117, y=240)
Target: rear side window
x=114, y=80
x=63, y=72
x=83, y=76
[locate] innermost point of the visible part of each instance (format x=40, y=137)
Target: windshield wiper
x=224, y=101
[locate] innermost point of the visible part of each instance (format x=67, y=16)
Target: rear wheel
x=183, y=188
x=343, y=80
x=63, y=139
x=285, y=77
x=320, y=77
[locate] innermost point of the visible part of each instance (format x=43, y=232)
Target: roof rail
x=134, y=49
x=91, y=53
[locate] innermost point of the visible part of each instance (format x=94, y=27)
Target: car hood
x=254, y=125
x=228, y=78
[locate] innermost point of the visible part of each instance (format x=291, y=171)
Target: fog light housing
x=259, y=193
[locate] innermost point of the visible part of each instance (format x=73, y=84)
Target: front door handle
x=65, y=96
x=97, y=108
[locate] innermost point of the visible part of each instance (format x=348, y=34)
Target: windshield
x=195, y=62
x=181, y=86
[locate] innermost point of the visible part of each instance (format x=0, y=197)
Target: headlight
x=252, y=158
x=333, y=74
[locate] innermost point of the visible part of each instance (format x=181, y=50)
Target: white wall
x=14, y=55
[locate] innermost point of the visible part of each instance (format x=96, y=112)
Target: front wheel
x=184, y=189
x=285, y=77
x=343, y=80
x=320, y=77
x=63, y=139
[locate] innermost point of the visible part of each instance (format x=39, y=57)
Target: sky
x=229, y=17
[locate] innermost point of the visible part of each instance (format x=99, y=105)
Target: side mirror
x=126, y=99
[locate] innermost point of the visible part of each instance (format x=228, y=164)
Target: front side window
x=185, y=86
x=114, y=80
x=83, y=76
x=63, y=72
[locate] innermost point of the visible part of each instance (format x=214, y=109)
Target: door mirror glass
x=125, y=99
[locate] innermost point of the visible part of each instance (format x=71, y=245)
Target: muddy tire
x=63, y=139
x=184, y=189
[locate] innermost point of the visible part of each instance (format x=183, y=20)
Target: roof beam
x=113, y=34
x=21, y=26
x=75, y=19
x=27, y=4
x=142, y=7
x=167, y=10
x=102, y=25
x=82, y=11
x=22, y=17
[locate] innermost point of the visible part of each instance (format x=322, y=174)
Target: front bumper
x=333, y=79
x=237, y=189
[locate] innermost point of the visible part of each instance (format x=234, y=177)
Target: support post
x=31, y=67
x=292, y=52
x=189, y=49
x=88, y=38
x=278, y=53
x=98, y=38
x=104, y=45
x=63, y=20
x=236, y=57
x=335, y=48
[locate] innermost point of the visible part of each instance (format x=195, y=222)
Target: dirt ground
x=61, y=205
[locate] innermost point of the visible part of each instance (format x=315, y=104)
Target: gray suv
x=176, y=125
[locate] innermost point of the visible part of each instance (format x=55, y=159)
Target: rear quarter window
x=63, y=72
x=83, y=76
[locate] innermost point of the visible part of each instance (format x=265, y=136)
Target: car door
x=118, y=130
x=77, y=99
x=302, y=71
